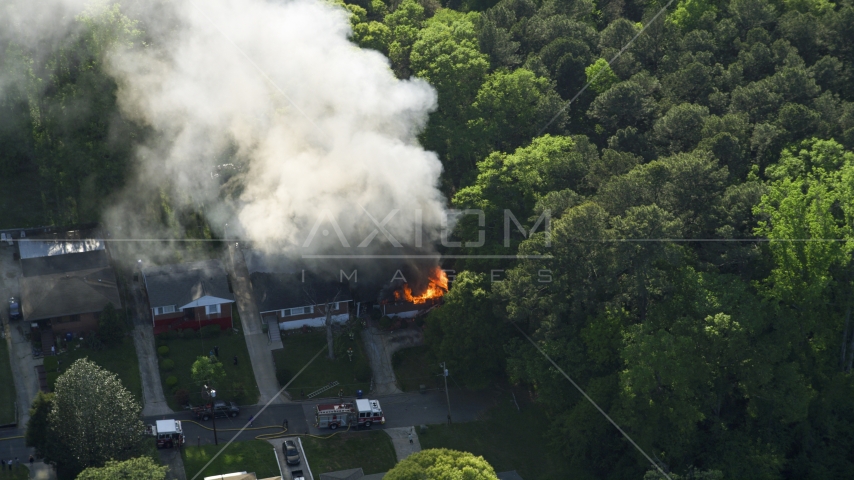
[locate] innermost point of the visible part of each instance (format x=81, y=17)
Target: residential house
x=65, y=284
x=299, y=298
x=188, y=295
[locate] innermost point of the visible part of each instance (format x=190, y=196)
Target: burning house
x=405, y=299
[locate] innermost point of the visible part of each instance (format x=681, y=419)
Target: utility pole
x=447, y=396
x=212, y=394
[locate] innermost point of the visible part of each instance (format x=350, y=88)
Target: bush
x=171, y=381
x=182, y=396
x=163, y=351
x=376, y=313
x=238, y=393
x=283, y=375
x=167, y=364
x=386, y=322
x=362, y=372
x=188, y=334
x=51, y=364
x=419, y=321
x=210, y=331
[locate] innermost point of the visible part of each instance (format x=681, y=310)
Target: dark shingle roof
x=69, y=262
x=276, y=291
x=71, y=293
x=183, y=283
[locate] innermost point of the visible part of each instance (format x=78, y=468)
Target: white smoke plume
x=322, y=126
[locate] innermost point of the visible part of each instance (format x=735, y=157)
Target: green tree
x=207, y=371
x=468, y=334
x=600, y=76
x=442, y=464
x=94, y=419
x=37, y=425
x=510, y=108
x=140, y=468
x=447, y=55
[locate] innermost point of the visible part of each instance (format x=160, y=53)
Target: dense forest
x=696, y=280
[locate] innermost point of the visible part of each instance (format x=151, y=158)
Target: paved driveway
x=257, y=341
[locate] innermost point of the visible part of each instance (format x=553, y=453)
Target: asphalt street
x=400, y=410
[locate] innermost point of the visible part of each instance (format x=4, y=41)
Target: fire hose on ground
x=282, y=433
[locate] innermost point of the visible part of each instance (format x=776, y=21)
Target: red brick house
x=188, y=296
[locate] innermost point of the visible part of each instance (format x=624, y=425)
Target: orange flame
x=437, y=286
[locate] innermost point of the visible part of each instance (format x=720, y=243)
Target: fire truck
x=169, y=433
x=361, y=413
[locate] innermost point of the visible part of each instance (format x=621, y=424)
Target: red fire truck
x=361, y=413
x=168, y=432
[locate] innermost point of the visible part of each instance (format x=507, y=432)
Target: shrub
x=419, y=321
x=386, y=322
x=188, y=334
x=376, y=313
x=167, y=335
x=210, y=331
x=163, y=351
x=182, y=396
x=51, y=379
x=238, y=393
x=283, y=375
x=167, y=364
x=171, y=381
x=51, y=364
x=362, y=371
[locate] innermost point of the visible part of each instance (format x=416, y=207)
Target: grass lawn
x=20, y=473
x=416, y=366
x=121, y=360
x=253, y=456
x=239, y=385
x=372, y=451
x=508, y=440
x=7, y=394
x=300, y=347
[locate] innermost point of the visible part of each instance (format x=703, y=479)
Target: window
x=335, y=306
x=213, y=309
x=297, y=311
x=164, y=310
x=309, y=309
x=286, y=312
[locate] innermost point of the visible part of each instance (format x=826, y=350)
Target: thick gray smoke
x=323, y=128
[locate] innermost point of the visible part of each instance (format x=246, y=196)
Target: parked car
x=14, y=309
x=291, y=452
x=220, y=409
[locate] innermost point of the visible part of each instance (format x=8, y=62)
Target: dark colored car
x=289, y=448
x=14, y=309
x=220, y=408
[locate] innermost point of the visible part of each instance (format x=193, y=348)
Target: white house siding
x=312, y=322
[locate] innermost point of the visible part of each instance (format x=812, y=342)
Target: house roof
x=277, y=291
x=69, y=293
x=35, y=248
x=70, y=262
x=185, y=283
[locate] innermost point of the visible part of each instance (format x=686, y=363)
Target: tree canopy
x=93, y=419
x=442, y=464
x=140, y=468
